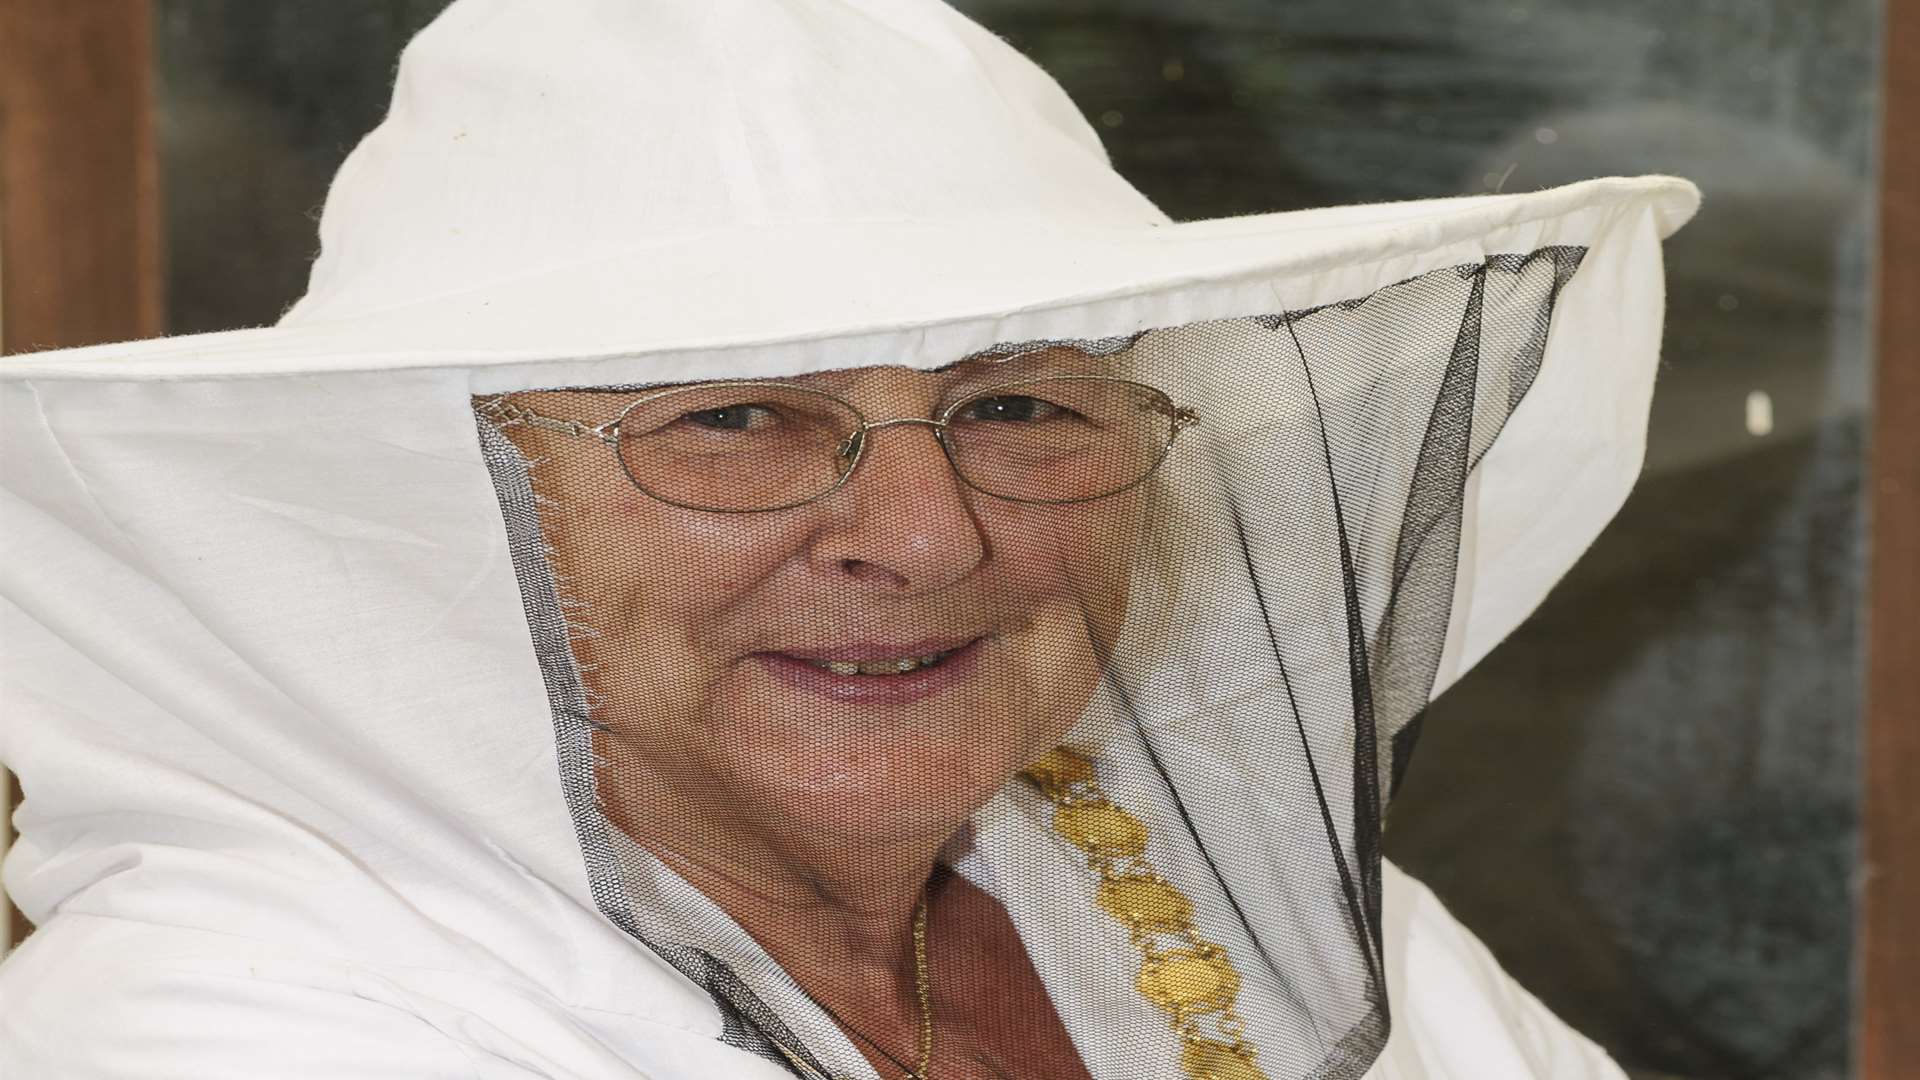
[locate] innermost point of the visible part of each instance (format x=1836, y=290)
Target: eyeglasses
x=751, y=446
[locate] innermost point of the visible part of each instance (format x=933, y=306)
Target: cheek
x=1076, y=559
x=652, y=583
x=703, y=562
x=1071, y=566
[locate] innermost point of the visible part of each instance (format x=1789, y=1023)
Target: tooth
x=880, y=667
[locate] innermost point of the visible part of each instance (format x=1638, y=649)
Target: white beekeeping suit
x=344, y=733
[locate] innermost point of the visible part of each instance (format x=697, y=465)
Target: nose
x=903, y=521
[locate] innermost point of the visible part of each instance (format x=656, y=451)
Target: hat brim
x=788, y=297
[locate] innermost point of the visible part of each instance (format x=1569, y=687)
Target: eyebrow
x=977, y=364
x=1056, y=355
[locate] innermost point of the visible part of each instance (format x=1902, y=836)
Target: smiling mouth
x=875, y=673
x=894, y=666
x=878, y=659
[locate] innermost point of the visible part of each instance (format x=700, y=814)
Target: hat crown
x=526, y=135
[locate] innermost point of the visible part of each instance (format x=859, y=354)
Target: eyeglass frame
x=506, y=414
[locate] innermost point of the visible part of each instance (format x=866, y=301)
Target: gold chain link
x=923, y=984
x=1183, y=974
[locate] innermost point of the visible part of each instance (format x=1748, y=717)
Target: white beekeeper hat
x=598, y=179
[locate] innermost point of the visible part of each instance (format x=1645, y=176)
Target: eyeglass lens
x=767, y=446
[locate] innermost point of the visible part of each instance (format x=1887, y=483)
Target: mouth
x=878, y=658
x=877, y=673
x=884, y=666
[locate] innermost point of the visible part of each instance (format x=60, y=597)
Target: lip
x=875, y=650
x=793, y=669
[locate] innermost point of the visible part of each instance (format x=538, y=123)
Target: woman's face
x=702, y=635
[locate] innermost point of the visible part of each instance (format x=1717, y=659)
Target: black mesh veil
x=1198, y=694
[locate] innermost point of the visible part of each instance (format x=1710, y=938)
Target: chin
x=879, y=771
x=882, y=777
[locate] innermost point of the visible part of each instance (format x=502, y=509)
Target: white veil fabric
x=307, y=749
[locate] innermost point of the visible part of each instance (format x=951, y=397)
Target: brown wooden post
x=1890, y=921
x=79, y=212
x=79, y=206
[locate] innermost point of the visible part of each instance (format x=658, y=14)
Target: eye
x=1013, y=408
x=740, y=417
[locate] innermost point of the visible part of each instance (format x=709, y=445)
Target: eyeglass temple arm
x=506, y=414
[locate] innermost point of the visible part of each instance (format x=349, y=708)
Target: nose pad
x=849, y=449
x=852, y=447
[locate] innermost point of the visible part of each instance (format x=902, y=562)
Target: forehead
x=962, y=376
x=981, y=369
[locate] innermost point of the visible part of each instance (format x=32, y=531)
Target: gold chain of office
x=1189, y=978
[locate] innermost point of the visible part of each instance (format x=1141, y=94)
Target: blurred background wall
x=1647, y=801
